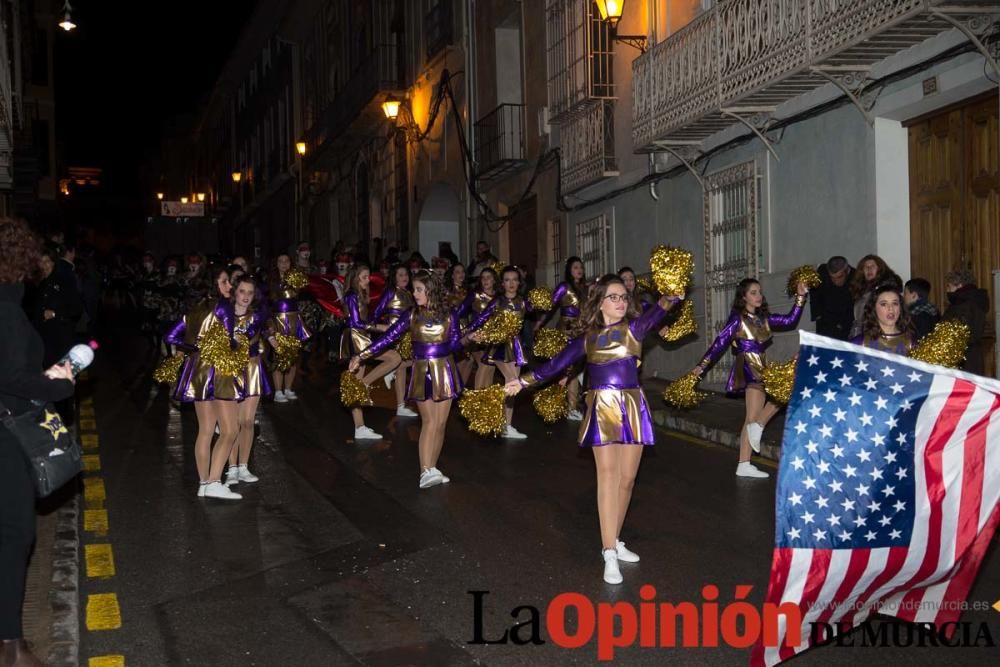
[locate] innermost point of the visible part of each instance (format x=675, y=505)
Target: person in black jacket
x=968, y=303
x=22, y=381
x=53, y=311
x=831, y=304
x=923, y=314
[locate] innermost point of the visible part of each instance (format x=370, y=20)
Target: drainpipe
x=470, y=108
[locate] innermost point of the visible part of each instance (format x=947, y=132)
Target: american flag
x=887, y=490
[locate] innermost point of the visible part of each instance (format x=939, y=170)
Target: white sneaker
x=754, y=433
x=431, y=477
x=365, y=433
x=232, y=475
x=291, y=395
x=388, y=380
x=403, y=411
x=244, y=475
x=574, y=416
x=279, y=397
x=219, y=490
x=579, y=378
x=201, y=489
x=625, y=555
x=747, y=469
x=512, y=433
x=444, y=478
x=612, y=574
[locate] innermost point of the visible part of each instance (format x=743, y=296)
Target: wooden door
x=955, y=199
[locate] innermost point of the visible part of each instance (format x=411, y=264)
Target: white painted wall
x=892, y=195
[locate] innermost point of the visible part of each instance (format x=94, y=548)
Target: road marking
x=103, y=612
x=87, y=411
x=100, y=560
x=107, y=661
x=89, y=442
x=94, y=494
x=91, y=462
x=88, y=425
x=95, y=521
x=695, y=440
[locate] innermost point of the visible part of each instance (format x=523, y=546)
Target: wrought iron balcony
x=439, y=27
x=500, y=142
x=751, y=55
x=587, y=146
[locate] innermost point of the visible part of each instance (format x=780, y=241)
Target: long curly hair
x=860, y=285
x=437, y=296
x=591, y=317
x=20, y=250
x=870, y=326
x=353, y=286
x=740, y=302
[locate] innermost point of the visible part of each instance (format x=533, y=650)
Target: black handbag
x=47, y=444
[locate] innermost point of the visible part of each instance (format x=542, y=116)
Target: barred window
x=593, y=245
x=556, y=254
x=579, y=55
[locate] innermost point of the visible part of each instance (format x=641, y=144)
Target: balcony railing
x=439, y=27
x=587, y=144
x=500, y=142
x=760, y=53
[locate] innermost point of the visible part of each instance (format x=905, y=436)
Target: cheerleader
x=567, y=297
x=434, y=381
x=285, y=319
x=457, y=293
x=640, y=296
x=609, y=338
x=254, y=323
x=476, y=301
x=214, y=396
x=508, y=357
x=748, y=331
x=357, y=337
x=395, y=301
x=886, y=324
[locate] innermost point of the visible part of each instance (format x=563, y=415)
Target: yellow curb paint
x=93, y=491
x=87, y=425
x=89, y=441
x=100, y=560
x=103, y=612
x=91, y=462
x=95, y=521
x=107, y=661
x=86, y=411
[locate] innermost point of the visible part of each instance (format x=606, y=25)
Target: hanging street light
x=67, y=22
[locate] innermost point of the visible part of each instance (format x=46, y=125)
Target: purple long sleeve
x=557, y=295
x=648, y=321
x=789, y=321
x=354, y=319
x=175, y=335
x=465, y=307
x=483, y=316
x=390, y=338
x=723, y=340
x=383, y=303
x=557, y=365
x=455, y=334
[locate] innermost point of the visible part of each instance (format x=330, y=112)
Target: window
x=579, y=55
x=593, y=245
x=731, y=211
x=556, y=255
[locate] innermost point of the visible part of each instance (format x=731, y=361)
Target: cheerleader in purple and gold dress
x=886, y=325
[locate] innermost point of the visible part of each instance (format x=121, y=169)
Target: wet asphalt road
x=336, y=557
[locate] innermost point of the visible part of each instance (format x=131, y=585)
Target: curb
x=64, y=596
x=670, y=420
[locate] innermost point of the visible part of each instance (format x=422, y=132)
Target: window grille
x=593, y=245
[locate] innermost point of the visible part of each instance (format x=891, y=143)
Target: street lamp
x=300, y=148
x=237, y=176
x=67, y=22
x=159, y=195
x=611, y=13
x=391, y=108
x=201, y=196
x=184, y=200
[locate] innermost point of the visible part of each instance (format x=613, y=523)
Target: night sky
x=125, y=73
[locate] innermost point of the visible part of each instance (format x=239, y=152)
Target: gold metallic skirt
x=747, y=370
x=353, y=341
x=291, y=324
x=255, y=382
x=198, y=381
x=616, y=416
x=434, y=380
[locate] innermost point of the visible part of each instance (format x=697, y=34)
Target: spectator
x=923, y=313
x=52, y=311
x=968, y=303
x=832, y=307
x=445, y=250
x=872, y=271
x=22, y=381
x=484, y=258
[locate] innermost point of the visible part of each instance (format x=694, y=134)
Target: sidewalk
x=718, y=419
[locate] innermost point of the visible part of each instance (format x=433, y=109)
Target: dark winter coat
x=970, y=305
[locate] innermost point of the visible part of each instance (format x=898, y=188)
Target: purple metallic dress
x=901, y=343
x=198, y=380
x=434, y=375
x=357, y=334
x=512, y=351
x=617, y=410
x=256, y=326
x=285, y=312
x=749, y=336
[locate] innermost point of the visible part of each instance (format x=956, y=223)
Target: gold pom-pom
x=296, y=279
x=286, y=354
x=645, y=283
x=497, y=267
x=353, y=392
x=945, y=345
x=682, y=393
x=549, y=342
x=672, y=269
x=168, y=370
x=683, y=326
x=216, y=351
x=551, y=404
x=779, y=380
x=483, y=409
x=405, y=346
x=501, y=327
x=804, y=274
x=540, y=299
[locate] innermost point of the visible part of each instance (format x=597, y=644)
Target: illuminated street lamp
x=201, y=196
x=237, y=176
x=67, y=22
x=300, y=148
x=184, y=200
x=611, y=11
x=159, y=195
x=391, y=108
